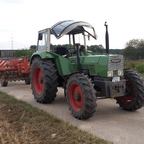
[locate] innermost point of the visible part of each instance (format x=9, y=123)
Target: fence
x=7, y=53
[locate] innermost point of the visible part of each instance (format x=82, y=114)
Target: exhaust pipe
x=107, y=38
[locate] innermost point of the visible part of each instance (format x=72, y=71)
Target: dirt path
x=109, y=122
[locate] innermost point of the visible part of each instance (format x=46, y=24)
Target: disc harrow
x=14, y=70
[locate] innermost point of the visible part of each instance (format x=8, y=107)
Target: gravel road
x=109, y=121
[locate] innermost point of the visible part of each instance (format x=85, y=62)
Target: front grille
x=116, y=63
x=115, y=73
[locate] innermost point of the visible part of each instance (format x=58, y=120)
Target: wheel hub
x=77, y=96
x=41, y=80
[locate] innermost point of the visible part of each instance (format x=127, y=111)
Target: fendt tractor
x=83, y=75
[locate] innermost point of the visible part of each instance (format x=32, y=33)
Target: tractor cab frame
x=70, y=28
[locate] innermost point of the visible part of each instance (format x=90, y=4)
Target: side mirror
x=40, y=36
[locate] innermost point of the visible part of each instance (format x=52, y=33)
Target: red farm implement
x=13, y=70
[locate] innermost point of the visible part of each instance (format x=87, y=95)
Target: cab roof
x=70, y=27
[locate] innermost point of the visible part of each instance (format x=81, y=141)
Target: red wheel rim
x=76, y=97
x=38, y=80
x=128, y=98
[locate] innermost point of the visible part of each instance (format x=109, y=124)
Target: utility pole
x=12, y=42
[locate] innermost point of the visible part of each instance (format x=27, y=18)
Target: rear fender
x=62, y=63
x=41, y=55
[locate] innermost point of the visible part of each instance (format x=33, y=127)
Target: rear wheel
x=4, y=82
x=27, y=81
x=81, y=96
x=135, y=92
x=43, y=80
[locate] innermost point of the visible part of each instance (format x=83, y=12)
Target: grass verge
x=21, y=123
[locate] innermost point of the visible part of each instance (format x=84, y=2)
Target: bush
x=24, y=52
x=130, y=64
x=136, y=65
x=140, y=68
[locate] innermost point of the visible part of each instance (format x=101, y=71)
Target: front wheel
x=81, y=96
x=135, y=92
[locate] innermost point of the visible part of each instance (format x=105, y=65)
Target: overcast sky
x=21, y=20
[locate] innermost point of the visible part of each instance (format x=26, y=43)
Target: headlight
x=110, y=73
x=120, y=72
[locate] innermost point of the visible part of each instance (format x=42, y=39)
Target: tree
x=23, y=52
x=129, y=52
x=33, y=47
x=134, y=49
x=97, y=49
x=136, y=43
x=114, y=51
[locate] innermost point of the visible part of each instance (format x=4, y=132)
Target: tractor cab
x=76, y=32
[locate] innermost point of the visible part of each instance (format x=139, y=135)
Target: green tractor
x=83, y=75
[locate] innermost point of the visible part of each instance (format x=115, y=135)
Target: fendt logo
x=115, y=60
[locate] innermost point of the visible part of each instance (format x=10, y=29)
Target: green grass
x=21, y=123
